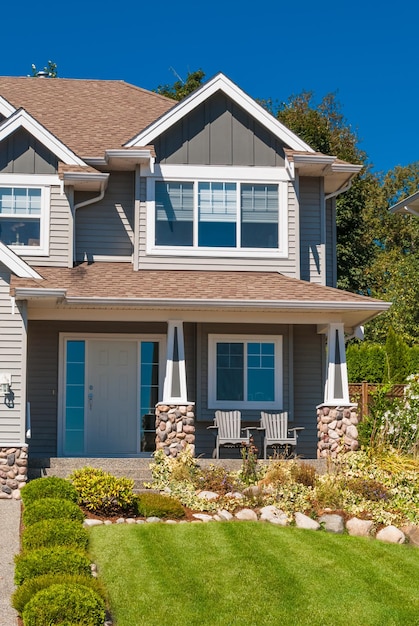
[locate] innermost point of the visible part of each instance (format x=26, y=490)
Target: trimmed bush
x=25, y=592
x=101, y=492
x=55, y=532
x=155, y=504
x=55, y=560
x=65, y=604
x=48, y=487
x=51, y=508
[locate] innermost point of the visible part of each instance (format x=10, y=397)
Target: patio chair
x=228, y=427
x=277, y=433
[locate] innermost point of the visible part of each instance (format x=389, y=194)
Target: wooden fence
x=362, y=394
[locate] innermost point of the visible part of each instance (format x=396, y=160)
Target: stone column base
x=337, y=429
x=13, y=471
x=175, y=428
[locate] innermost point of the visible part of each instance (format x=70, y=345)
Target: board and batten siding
x=21, y=153
x=13, y=361
x=43, y=366
x=60, y=233
x=311, y=227
x=106, y=228
x=204, y=415
x=286, y=266
x=219, y=132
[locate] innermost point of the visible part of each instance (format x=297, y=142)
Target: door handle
x=90, y=397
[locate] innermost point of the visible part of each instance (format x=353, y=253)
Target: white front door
x=112, y=406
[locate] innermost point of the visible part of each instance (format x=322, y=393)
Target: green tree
x=49, y=70
x=397, y=355
x=182, y=88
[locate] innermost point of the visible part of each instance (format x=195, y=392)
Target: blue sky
x=365, y=52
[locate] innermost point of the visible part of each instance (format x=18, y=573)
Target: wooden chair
x=276, y=432
x=228, y=427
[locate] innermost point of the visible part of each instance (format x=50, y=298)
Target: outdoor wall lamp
x=5, y=382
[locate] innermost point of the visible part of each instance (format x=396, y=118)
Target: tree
x=49, y=70
x=182, y=88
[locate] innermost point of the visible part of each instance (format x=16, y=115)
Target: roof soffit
x=225, y=85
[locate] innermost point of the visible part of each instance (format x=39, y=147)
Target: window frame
x=42, y=183
x=213, y=403
x=237, y=175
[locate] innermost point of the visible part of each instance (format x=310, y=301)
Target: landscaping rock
x=92, y=522
x=273, y=515
x=253, y=491
x=412, y=533
x=303, y=521
x=208, y=495
x=333, y=523
x=152, y=520
x=203, y=517
x=246, y=515
x=225, y=516
x=391, y=534
x=359, y=527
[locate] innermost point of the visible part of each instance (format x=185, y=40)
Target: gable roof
x=230, y=89
x=408, y=205
x=15, y=264
x=88, y=116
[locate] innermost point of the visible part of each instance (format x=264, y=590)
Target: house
x=153, y=253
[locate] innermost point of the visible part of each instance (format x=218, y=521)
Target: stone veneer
x=337, y=429
x=13, y=471
x=175, y=428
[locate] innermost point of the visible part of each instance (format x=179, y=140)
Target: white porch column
x=175, y=416
x=337, y=418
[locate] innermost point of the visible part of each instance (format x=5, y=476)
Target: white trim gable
x=6, y=108
x=16, y=264
x=22, y=119
x=224, y=84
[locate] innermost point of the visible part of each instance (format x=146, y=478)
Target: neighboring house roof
x=408, y=205
x=119, y=285
x=88, y=116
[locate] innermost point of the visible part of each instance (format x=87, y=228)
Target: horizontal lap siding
x=205, y=416
x=331, y=269
x=308, y=385
x=106, y=228
x=310, y=230
x=60, y=238
x=12, y=354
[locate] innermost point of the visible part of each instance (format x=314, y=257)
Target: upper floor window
x=207, y=214
x=23, y=218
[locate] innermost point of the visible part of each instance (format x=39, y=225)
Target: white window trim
x=213, y=403
x=42, y=182
x=237, y=175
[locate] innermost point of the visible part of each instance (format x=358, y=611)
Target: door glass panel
x=74, y=398
x=149, y=393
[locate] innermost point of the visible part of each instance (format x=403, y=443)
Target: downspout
x=79, y=206
x=339, y=191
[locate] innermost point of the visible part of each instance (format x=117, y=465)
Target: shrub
x=53, y=532
x=216, y=478
x=276, y=474
x=304, y=474
x=328, y=492
x=48, y=487
x=65, y=603
x=25, y=592
x=101, y=492
x=368, y=488
x=57, y=560
x=155, y=504
x=51, y=508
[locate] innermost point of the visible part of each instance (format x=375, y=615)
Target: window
x=245, y=372
x=23, y=219
x=207, y=214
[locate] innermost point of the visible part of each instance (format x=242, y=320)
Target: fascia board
x=34, y=293
x=6, y=108
x=75, y=177
x=15, y=264
x=116, y=153
x=403, y=205
x=219, y=82
x=22, y=119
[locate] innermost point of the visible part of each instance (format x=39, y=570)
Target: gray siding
x=21, y=153
x=12, y=360
x=286, y=265
x=308, y=385
x=43, y=348
x=60, y=233
x=331, y=269
x=106, y=228
x=218, y=132
x=311, y=236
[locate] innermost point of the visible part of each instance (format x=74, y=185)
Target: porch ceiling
x=117, y=285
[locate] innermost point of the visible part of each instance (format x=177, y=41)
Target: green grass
x=253, y=574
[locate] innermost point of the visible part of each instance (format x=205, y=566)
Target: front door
x=110, y=388
x=112, y=406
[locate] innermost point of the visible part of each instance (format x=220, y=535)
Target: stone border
x=13, y=471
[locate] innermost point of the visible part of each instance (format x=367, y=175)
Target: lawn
x=253, y=574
